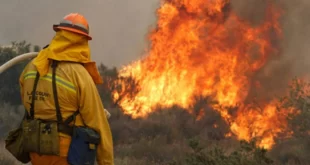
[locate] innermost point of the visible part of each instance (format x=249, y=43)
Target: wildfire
x=201, y=47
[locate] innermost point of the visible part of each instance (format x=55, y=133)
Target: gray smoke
x=297, y=35
x=295, y=24
x=118, y=27
x=294, y=56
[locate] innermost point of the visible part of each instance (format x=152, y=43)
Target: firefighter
x=75, y=95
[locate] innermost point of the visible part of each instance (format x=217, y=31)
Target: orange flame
x=200, y=47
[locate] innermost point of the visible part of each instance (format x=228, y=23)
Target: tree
x=36, y=48
x=9, y=81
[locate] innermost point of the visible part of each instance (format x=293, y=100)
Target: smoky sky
x=295, y=24
x=118, y=27
x=294, y=46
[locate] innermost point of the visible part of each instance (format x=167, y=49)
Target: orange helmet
x=74, y=22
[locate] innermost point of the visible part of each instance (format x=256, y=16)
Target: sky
x=118, y=27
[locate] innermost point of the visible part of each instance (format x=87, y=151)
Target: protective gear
x=76, y=23
x=67, y=46
x=76, y=91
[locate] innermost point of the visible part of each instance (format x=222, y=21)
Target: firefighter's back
x=67, y=75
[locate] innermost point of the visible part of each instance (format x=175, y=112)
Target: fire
x=201, y=47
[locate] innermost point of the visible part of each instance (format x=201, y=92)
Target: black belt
x=66, y=129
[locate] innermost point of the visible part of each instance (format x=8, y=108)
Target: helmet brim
x=56, y=28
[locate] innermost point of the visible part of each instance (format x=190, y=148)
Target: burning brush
x=201, y=47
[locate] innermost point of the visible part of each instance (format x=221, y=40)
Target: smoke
x=118, y=27
x=293, y=57
x=250, y=10
x=295, y=25
x=297, y=37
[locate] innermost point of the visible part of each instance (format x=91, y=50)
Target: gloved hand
x=107, y=113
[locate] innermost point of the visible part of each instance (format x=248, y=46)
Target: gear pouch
x=83, y=147
x=14, y=144
x=31, y=130
x=49, y=138
x=41, y=137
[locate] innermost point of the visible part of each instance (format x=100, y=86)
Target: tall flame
x=201, y=47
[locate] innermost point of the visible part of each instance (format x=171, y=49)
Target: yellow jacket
x=76, y=90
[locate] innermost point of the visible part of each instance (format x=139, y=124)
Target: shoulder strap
x=58, y=113
x=71, y=118
x=33, y=96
